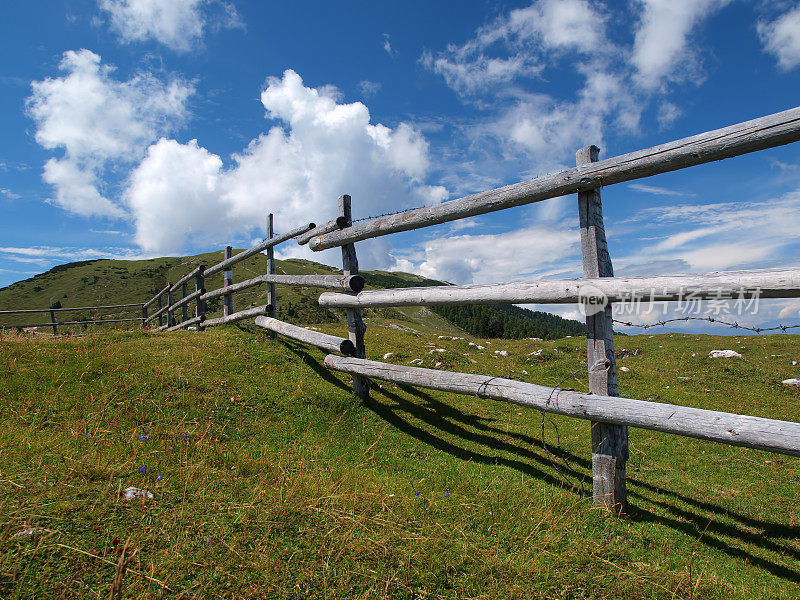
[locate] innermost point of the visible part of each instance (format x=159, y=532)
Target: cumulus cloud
x=296, y=170
x=178, y=24
x=661, y=44
x=99, y=121
x=781, y=37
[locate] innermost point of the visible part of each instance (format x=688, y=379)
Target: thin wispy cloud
x=658, y=191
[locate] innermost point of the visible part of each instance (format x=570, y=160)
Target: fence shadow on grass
x=702, y=520
x=438, y=421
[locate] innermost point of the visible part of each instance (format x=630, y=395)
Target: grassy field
x=270, y=480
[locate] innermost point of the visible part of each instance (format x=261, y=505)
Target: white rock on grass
x=724, y=354
x=794, y=363
x=501, y=352
x=417, y=361
x=130, y=493
x=624, y=369
x=388, y=355
x=535, y=353
x=437, y=350
x=793, y=381
x=437, y=365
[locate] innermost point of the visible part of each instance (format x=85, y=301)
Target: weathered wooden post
x=144, y=315
x=227, y=308
x=609, y=442
x=355, y=325
x=53, y=321
x=271, y=297
x=200, y=304
x=170, y=316
x=185, y=308
x=160, y=314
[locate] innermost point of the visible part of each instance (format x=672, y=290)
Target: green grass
x=287, y=486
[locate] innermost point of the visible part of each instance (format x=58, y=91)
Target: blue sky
x=138, y=128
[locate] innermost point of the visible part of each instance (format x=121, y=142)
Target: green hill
x=108, y=282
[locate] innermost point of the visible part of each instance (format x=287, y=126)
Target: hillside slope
x=109, y=282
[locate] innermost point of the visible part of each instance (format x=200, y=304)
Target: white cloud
x=658, y=191
x=535, y=251
x=781, y=37
x=9, y=195
x=98, y=121
x=661, y=43
x=387, y=45
x=178, y=24
x=369, y=88
x=715, y=240
x=297, y=171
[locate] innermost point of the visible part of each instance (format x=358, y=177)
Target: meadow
x=271, y=480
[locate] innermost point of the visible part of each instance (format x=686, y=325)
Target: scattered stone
x=437, y=365
x=535, y=353
x=794, y=363
x=624, y=369
x=625, y=353
x=437, y=350
x=28, y=531
x=724, y=354
x=793, y=381
x=417, y=361
x=388, y=355
x=131, y=493
x=501, y=352
x=191, y=328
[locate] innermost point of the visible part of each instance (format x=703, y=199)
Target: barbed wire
x=734, y=325
x=388, y=214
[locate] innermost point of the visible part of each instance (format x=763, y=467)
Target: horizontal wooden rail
x=337, y=223
x=758, y=134
x=238, y=316
x=50, y=324
x=352, y=283
x=157, y=296
x=268, y=243
x=738, y=430
x=47, y=310
x=768, y=283
x=186, y=323
x=186, y=278
x=186, y=299
x=331, y=343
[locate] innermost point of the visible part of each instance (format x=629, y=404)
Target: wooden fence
x=610, y=415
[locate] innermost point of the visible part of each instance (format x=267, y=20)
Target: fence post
x=160, y=314
x=271, y=297
x=200, y=304
x=53, y=321
x=227, y=279
x=609, y=442
x=170, y=316
x=144, y=315
x=355, y=325
x=185, y=307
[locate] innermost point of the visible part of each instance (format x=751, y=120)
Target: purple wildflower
x=447, y=494
x=186, y=436
x=88, y=435
x=141, y=437
x=143, y=469
x=158, y=478
x=416, y=494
